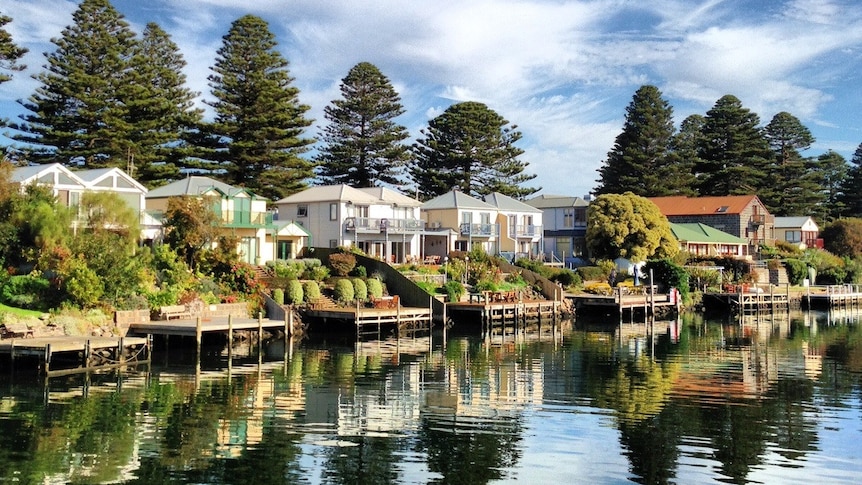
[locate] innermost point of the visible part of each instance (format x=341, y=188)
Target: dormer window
x=722, y=209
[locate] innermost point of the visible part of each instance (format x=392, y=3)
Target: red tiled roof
x=680, y=205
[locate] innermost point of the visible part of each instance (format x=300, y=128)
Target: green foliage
x=843, y=237
x=311, y=290
x=241, y=278
x=670, y=275
x=342, y=263
x=795, y=183
x=317, y=273
x=593, y=273
x=642, y=160
x=360, y=289
x=628, y=226
x=32, y=292
x=9, y=52
x=704, y=278
x=344, y=290
x=190, y=225
x=849, y=195
x=797, y=271
x=295, y=293
x=82, y=285
x=359, y=271
x=469, y=147
x=486, y=285
x=363, y=145
x=454, y=290
x=375, y=288
x=257, y=136
x=427, y=287
x=567, y=278
x=278, y=296
x=290, y=269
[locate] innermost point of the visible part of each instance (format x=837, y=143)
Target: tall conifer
x=10, y=53
x=259, y=125
x=793, y=186
x=851, y=188
x=363, y=144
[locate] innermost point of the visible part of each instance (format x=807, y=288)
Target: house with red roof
x=743, y=216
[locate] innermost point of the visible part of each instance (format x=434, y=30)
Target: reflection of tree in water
x=371, y=460
x=652, y=445
x=470, y=451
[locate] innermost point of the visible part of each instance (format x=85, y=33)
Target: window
x=460, y=245
x=333, y=212
x=581, y=216
x=569, y=217
x=723, y=209
x=333, y=243
x=302, y=211
x=793, y=236
x=362, y=211
x=485, y=217
x=467, y=217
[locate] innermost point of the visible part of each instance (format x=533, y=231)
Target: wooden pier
x=629, y=300
x=743, y=298
x=198, y=327
x=374, y=321
x=834, y=297
x=72, y=354
x=492, y=308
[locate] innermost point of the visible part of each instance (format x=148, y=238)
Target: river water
x=753, y=399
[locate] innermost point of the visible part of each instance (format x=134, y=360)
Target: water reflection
x=766, y=398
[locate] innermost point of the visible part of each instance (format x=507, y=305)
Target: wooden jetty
x=373, y=321
x=627, y=300
x=499, y=307
x=72, y=354
x=198, y=327
x=834, y=296
x=751, y=298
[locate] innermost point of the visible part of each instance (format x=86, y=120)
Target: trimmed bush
x=311, y=290
x=454, y=290
x=342, y=263
x=294, y=292
x=344, y=290
x=592, y=273
x=359, y=271
x=318, y=273
x=375, y=288
x=278, y=296
x=567, y=277
x=360, y=289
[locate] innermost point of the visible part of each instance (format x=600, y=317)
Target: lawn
x=19, y=312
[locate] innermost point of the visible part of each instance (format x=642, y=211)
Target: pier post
x=259, y=333
x=288, y=323
x=230, y=338
x=87, y=351
x=198, y=333
x=47, y=357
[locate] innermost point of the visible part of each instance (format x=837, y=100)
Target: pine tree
x=160, y=109
x=363, y=145
x=734, y=153
x=641, y=160
x=259, y=121
x=832, y=172
x=851, y=195
x=685, y=148
x=470, y=147
x=793, y=183
x=9, y=52
x=77, y=113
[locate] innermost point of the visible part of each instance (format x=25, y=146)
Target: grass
x=19, y=312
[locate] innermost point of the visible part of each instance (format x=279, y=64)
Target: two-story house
x=240, y=212
x=456, y=221
x=379, y=221
x=743, y=216
x=801, y=231
x=68, y=186
x=565, y=226
x=520, y=226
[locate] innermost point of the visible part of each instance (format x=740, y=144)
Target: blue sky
x=563, y=71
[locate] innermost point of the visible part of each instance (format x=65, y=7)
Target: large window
x=333, y=212
x=302, y=210
x=569, y=217
x=793, y=236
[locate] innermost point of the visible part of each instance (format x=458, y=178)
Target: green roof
x=701, y=233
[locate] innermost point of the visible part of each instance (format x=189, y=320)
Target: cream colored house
x=456, y=221
x=242, y=214
x=520, y=227
x=801, y=231
x=381, y=222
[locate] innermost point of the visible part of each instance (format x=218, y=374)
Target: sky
x=562, y=71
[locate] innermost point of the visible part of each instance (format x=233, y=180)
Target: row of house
x=390, y=225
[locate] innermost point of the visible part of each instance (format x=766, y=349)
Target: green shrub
x=360, y=289
x=342, y=263
x=567, y=277
x=289, y=269
x=26, y=291
x=375, y=288
x=669, y=274
x=592, y=273
x=311, y=290
x=344, y=290
x=317, y=273
x=454, y=290
x=278, y=296
x=797, y=271
x=486, y=285
x=359, y=271
x=82, y=285
x=294, y=292
x=429, y=288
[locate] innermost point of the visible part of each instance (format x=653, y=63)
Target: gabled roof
x=680, y=205
x=330, y=193
x=505, y=203
x=290, y=228
x=388, y=196
x=455, y=199
x=792, y=222
x=195, y=185
x=32, y=173
x=553, y=201
x=93, y=176
x=701, y=233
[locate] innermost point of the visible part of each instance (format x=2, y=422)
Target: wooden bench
x=16, y=330
x=390, y=302
x=174, y=311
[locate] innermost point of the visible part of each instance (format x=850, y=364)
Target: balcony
x=525, y=231
x=480, y=230
x=378, y=225
x=240, y=219
x=758, y=220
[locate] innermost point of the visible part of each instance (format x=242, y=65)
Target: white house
x=565, y=226
x=379, y=221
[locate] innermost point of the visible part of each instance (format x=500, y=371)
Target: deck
x=78, y=353
x=371, y=321
x=625, y=299
x=198, y=327
x=499, y=307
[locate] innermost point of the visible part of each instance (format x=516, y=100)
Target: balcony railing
x=761, y=219
x=368, y=224
x=528, y=230
x=245, y=218
x=480, y=230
